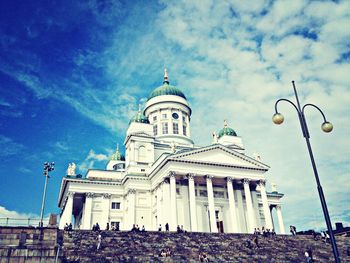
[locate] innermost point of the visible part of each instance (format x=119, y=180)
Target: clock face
x=175, y=115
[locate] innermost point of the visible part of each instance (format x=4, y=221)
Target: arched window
x=142, y=153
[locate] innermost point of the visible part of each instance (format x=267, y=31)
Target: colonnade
x=166, y=205
x=168, y=213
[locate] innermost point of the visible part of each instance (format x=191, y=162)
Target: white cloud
x=91, y=159
x=14, y=218
x=9, y=147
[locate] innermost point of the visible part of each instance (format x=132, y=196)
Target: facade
x=166, y=178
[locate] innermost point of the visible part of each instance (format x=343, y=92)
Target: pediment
x=219, y=154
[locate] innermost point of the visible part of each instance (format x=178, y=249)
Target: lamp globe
x=278, y=118
x=327, y=126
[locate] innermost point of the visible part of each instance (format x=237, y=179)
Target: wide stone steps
x=80, y=246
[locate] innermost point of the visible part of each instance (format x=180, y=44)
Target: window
x=219, y=194
x=118, y=167
x=165, y=128
x=142, y=153
x=183, y=118
x=115, y=205
x=175, y=128
x=203, y=193
x=154, y=118
x=155, y=130
x=184, y=130
x=164, y=116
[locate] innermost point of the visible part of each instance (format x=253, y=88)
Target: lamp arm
x=286, y=101
x=313, y=105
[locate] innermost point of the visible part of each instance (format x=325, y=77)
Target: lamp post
x=48, y=167
x=326, y=127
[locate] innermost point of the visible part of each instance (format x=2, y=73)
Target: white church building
x=166, y=178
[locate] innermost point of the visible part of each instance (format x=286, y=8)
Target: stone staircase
x=80, y=246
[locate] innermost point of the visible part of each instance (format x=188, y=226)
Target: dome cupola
x=139, y=117
x=169, y=113
x=166, y=89
x=226, y=131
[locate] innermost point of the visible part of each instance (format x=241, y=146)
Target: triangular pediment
x=218, y=154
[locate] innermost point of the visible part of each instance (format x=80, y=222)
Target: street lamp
x=48, y=167
x=326, y=126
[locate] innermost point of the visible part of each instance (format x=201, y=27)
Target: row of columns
x=66, y=216
x=169, y=190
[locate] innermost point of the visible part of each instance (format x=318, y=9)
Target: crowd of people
x=68, y=227
x=265, y=232
x=136, y=228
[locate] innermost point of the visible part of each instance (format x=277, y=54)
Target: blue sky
x=73, y=72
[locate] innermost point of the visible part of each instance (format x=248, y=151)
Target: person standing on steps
x=99, y=240
x=167, y=227
x=160, y=227
x=107, y=226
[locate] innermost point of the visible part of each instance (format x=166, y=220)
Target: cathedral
x=165, y=178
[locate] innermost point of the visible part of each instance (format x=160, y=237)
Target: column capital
x=89, y=195
x=131, y=191
x=106, y=196
x=246, y=181
x=262, y=182
x=229, y=179
x=209, y=177
x=172, y=174
x=278, y=207
x=70, y=194
x=190, y=176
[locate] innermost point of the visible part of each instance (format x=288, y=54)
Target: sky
x=72, y=74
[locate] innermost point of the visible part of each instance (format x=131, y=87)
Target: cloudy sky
x=73, y=72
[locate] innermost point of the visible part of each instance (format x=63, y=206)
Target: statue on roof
x=71, y=169
x=215, y=138
x=173, y=147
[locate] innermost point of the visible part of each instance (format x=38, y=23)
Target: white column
x=159, y=207
x=280, y=219
x=267, y=214
x=192, y=198
x=232, y=203
x=165, y=203
x=66, y=216
x=87, y=211
x=105, y=211
x=212, y=218
x=173, y=209
x=131, y=208
x=249, y=204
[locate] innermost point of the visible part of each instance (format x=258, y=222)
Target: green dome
x=166, y=89
x=226, y=131
x=139, y=117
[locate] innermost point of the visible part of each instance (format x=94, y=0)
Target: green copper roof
x=166, y=89
x=226, y=131
x=139, y=117
x=117, y=156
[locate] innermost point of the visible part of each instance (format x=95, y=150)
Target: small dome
x=117, y=156
x=139, y=117
x=166, y=89
x=226, y=131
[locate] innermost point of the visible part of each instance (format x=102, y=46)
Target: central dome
x=166, y=89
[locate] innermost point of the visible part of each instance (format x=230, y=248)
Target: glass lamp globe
x=327, y=126
x=277, y=118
